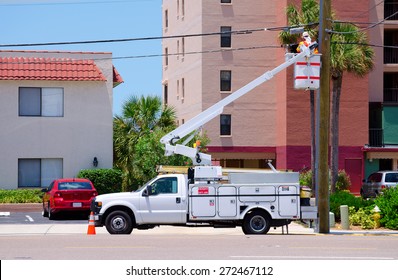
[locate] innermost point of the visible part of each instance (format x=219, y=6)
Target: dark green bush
x=21, y=196
x=306, y=178
x=343, y=181
x=388, y=204
x=104, y=180
x=346, y=198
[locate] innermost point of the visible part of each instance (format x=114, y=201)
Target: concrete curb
x=21, y=207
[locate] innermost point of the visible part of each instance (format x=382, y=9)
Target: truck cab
x=163, y=200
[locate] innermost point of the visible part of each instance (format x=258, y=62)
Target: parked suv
x=64, y=195
x=378, y=181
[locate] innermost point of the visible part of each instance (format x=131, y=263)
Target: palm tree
x=349, y=52
x=308, y=14
x=140, y=117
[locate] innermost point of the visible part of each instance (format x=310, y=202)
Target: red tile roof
x=117, y=79
x=51, y=69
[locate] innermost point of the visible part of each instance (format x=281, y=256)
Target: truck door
x=164, y=204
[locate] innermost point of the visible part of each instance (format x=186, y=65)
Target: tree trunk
x=334, y=151
x=313, y=150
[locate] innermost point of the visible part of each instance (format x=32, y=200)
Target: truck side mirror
x=148, y=191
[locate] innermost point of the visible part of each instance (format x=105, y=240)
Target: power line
x=245, y=31
x=147, y=56
x=233, y=32
x=71, y=3
x=375, y=6
x=362, y=29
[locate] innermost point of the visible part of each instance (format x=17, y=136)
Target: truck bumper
x=309, y=212
x=98, y=220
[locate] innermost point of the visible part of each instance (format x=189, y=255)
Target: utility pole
x=323, y=119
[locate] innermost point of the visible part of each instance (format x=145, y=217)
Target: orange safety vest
x=305, y=43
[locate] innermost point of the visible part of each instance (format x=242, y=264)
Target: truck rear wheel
x=119, y=222
x=256, y=222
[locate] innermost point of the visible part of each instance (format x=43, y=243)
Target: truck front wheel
x=119, y=222
x=256, y=222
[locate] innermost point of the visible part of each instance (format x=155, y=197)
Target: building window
x=34, y=172
x=45, y=102
x=166, y=57
x=178, y=49
x=166, y=19
x=166, y=94
x=178, y=89
x=182, y=89
x=183, y=46
x=225, y=80
x=225, y=36
x=226, y=1
x=225, y=125
x=183, y=8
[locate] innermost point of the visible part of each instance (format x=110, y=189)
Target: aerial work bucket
x=307, y=72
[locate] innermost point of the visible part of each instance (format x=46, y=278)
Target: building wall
x=245, y=65
x=274, y=118
x=183, y=74
x=84, y=132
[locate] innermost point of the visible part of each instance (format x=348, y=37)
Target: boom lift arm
x=194, y=124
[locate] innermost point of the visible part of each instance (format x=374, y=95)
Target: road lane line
x=29, y=218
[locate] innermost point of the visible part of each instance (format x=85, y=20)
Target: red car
x=73, y=194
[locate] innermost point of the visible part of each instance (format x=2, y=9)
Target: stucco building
x=55, y=115
x=273, y=121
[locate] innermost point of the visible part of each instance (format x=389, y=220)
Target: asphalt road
x=29, y=236
x=301, y=254
x=196, y=243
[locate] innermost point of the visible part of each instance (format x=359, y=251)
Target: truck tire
x=118, y=222
x=256, y=222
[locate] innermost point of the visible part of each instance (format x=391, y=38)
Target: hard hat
x=305, y=34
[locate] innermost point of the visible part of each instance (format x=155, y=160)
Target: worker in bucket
x=306, y=41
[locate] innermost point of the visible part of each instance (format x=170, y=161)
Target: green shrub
x=346, y=198
x=21, y=196
x=343, y=181
x=305, y=179
x=388, y=205
x=104, y=180
x=364, y=217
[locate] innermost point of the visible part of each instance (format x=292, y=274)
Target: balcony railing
x=390, y=55
x=390, y=95
x=376, y=137
x=391, y=7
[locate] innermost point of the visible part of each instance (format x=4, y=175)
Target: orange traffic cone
x=91, y=225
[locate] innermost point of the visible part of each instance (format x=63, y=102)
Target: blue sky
x=42, y=21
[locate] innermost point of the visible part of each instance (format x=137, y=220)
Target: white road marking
x=4, y=213
x=29, y=218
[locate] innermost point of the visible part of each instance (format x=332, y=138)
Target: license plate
x=77, y=204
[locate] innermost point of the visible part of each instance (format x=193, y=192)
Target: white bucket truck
x=255, y=201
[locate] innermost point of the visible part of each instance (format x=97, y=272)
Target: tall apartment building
x=381, y=150
x=272, y=121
